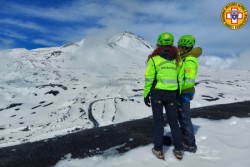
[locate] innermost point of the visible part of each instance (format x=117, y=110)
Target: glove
x=147, y=101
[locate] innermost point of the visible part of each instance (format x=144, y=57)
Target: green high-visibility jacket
x=163, y=72
x=189, y=68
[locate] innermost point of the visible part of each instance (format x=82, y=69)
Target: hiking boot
x=158, y=154
x=178, y=154
x=190, y=148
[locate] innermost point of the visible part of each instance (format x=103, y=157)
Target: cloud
x=217, y=62
x=44, y=42
x=74, y=20
x=12, y=34
x=234, y=62
x=200, y=18
x=243, y=61
x=75, y=11
x=23, y=24
x=6, y=43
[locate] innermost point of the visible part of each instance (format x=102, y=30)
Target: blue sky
x=45, y=23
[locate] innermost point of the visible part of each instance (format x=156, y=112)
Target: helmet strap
x=184, y=50
x=189, y=49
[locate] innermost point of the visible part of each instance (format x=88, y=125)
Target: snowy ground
x=220, y=143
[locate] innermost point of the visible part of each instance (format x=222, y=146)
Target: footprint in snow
x=201, y=138
x=207, y=154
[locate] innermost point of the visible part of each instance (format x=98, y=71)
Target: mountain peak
x=74, y=44
x=128, y=40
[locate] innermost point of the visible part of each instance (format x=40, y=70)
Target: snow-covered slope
x=55, y=91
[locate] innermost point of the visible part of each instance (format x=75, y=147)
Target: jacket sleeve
x=149, y=77
x=190, y=71
x=180, y=71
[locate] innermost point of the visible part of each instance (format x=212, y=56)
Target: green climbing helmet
x=186, y=40
x=165, y=39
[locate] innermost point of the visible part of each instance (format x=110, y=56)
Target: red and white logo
x=234, y=15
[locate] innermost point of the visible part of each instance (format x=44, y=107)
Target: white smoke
x=243, y=61
x=217, y=62
x=240, y=62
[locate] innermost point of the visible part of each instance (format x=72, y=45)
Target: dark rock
x=11, y=106
x=53, y=85
x=26, y=129
x=36, y=107
x=137, y=90
x=48, y=104
x=209, y=98
x=53, y=92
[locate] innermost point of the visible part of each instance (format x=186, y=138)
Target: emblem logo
x=234, y=15
x=166, y=35
x=188, y=70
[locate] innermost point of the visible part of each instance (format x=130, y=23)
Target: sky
x=46, y=23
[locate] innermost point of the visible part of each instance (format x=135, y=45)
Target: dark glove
x=147, y=101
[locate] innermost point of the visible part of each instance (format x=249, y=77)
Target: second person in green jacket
x=189, y=57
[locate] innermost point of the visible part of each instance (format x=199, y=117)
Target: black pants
x=165, y=99
x=185, y=119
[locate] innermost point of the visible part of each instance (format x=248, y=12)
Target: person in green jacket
x=189, y=57
x=160, y=91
